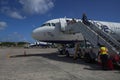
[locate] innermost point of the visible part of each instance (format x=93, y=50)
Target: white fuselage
x=50, y=32
x=112, y=27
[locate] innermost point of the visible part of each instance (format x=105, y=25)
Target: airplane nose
x=36, y=33
x=41, y=33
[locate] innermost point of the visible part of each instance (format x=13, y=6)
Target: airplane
x=53, y=32
x=39, y=44
x=49, y=32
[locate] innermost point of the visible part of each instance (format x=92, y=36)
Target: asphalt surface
x=46, y=64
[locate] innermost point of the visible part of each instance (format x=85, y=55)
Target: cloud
x=12, y=13
x=16, y=15
x=36, y=6
x=19, y=8
x=2, y=25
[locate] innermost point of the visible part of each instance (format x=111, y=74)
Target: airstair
x=95, y=35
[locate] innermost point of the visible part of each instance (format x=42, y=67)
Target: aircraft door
x=63, y=24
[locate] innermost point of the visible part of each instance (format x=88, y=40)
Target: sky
x=19, y=17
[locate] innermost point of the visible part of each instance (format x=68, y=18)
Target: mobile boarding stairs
x=95, y=35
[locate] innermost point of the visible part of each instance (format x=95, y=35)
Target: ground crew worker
x=103, y=56
x=77, y=46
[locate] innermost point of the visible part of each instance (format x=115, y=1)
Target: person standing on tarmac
x=103, y=56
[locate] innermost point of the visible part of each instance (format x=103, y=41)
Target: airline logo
x=105, y=28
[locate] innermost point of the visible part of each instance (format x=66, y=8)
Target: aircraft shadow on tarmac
x=55, y=56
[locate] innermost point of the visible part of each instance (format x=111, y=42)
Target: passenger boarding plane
x=53, y=32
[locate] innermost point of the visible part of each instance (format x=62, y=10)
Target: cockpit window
x=46, y=24
x=53, y=24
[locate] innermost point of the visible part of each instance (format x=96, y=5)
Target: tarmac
x=46, y=64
